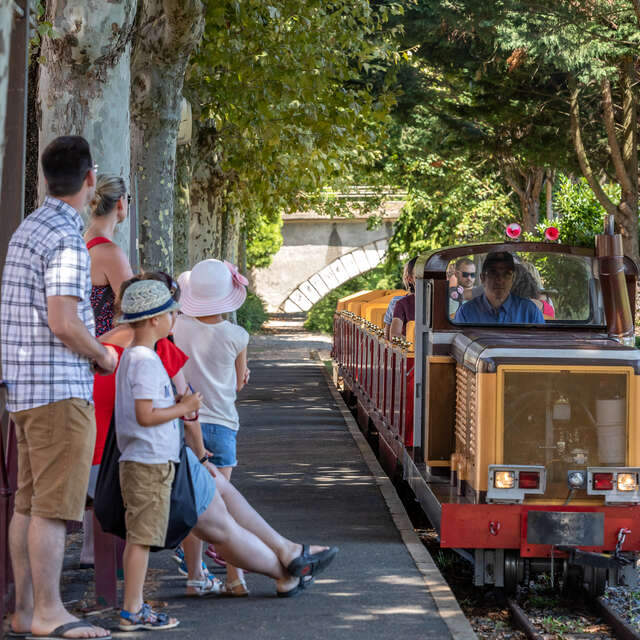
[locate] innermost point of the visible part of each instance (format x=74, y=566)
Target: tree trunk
x=527, y=183
x=6, y=25
x=84, y=82
x=181, y=210
x=167, y=32
x=623, y=156
x=549, y=180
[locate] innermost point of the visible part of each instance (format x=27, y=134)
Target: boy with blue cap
x=148, y=435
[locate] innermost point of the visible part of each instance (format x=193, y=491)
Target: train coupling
x=596, y=560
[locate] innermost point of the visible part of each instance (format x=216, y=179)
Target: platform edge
x=446, y=603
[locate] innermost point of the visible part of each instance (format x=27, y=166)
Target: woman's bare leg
x=238, y=545
x=248, y=518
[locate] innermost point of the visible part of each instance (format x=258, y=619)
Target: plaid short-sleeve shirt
x=46, y=257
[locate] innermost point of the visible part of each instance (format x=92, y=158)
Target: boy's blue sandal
x=59, y=632
x=311, y=564
x=178, y=558
x=146, y=618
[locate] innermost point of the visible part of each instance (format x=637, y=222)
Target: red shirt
x=405, y=309
x=104, y=389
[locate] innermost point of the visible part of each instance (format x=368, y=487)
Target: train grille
x=466, y=414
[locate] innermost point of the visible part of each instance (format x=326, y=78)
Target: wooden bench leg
x=106, y=564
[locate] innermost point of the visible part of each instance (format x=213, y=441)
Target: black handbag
x=109, y=507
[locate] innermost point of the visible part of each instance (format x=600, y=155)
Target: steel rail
x=622, y=628
x=521, y=620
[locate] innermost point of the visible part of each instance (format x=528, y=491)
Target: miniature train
x=520, y=440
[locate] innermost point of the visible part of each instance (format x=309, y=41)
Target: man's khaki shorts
x=146, y=493
x=55, y=447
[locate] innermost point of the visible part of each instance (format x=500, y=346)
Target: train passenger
x=405, y=309
x=217, y=368
x=388, y=316
x=526, y=287
x=462, y=282
x=497, y=303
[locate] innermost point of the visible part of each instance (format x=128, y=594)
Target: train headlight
x=627, y=482
x=509, y=483
x=576, y=479
x=614, y=484
x=504, y=479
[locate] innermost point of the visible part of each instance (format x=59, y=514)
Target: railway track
x=620, y=628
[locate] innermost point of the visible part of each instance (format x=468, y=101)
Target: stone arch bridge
x=318, y=254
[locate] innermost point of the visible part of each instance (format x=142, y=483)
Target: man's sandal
x=311, y=564
x=146, y=618
x=58, y=632
x=231, y=589
x=207, y=587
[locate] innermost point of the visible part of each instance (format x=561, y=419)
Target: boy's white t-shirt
x=142, y=376
x=211, y=367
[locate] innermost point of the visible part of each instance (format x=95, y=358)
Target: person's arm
x=396, y=328
x=387, y=328
x=149, y=416
x=242, y=371
x=116, y=267
x=63, y=320
x=192, y=428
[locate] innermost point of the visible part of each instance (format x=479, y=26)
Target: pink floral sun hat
x=211, y=287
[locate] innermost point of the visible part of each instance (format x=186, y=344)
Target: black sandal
x=297, y=590
x=311, y=564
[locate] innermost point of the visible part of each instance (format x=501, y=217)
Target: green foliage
x=580, y=215
x=281, y=83
x=320, y=316
x=264, y=239
x=252, y=315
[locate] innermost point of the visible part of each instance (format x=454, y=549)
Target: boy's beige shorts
x=146, y=493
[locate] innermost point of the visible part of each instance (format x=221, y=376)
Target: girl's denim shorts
x=221, y=442
x=204, y=484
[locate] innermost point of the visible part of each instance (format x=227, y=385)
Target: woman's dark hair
x=525, y=285
x=408, y=272
x=65, y=163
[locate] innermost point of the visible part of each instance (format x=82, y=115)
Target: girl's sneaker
x=146, y=618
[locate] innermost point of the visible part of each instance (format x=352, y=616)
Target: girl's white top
x=211, y=370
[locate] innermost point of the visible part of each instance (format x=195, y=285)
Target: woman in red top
x=109, y=264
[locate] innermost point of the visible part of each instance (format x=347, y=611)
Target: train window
x=524, y=288
x=568, y=419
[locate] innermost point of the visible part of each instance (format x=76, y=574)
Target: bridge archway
x=347, y=266
x=320, y=253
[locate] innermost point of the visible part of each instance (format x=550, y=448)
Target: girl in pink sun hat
x=217, y=367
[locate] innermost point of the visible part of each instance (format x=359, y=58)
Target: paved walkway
x=301, y=468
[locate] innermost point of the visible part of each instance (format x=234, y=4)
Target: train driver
x=497, y=303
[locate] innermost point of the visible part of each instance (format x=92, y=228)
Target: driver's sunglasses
x=468, y=274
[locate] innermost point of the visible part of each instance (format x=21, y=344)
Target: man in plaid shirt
x=48, y=349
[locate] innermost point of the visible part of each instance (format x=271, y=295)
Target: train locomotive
x=521, y=440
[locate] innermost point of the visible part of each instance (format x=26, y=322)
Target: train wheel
x=513, y=571
x=594, y=581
